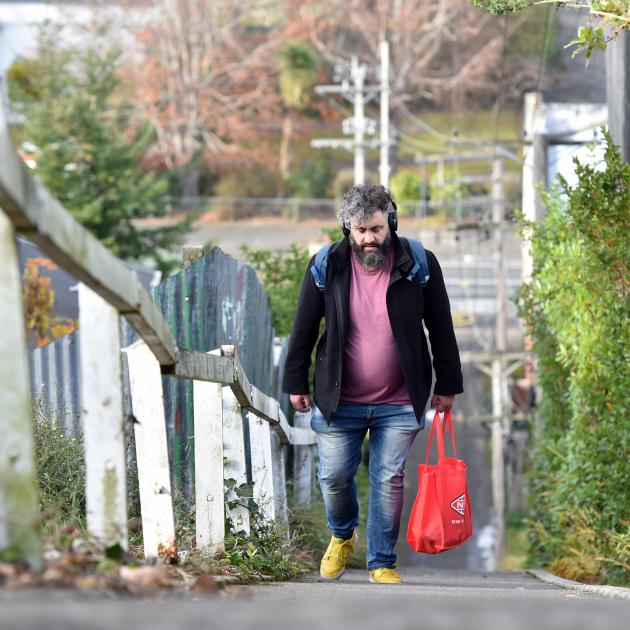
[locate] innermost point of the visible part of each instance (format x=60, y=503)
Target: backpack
x=419, y=271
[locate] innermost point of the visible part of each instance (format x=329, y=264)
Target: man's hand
x=301, y=402
x=441, y=403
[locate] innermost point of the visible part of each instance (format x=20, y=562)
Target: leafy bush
x=501, y=7
x=313, y=178
x=281, y=273
x=577, y=309
x=406, y=185
x=333, y=233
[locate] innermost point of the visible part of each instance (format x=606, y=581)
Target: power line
x=542, y=63
x=499, y=101
x=353, y=87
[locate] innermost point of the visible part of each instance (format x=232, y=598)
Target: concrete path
x=429, y=598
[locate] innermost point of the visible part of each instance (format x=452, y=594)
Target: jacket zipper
x=339, y=301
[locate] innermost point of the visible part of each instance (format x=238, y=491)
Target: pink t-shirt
x=371, y=369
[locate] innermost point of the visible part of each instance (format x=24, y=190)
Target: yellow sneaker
x=385, y=575
x=333, y=563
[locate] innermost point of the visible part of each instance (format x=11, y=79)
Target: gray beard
x=372, y=261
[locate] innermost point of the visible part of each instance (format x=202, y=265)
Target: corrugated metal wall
x=217, y=300
x=56, y=380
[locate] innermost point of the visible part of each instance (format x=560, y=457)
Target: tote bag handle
x=436, y=425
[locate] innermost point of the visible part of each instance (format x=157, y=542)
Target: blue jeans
x=392, y=431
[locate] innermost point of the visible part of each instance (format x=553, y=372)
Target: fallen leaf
x=7, y=571
x=87, y=582
x=145, y=578
x=205, y=584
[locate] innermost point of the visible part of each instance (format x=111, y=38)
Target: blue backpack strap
x=319, y=268
x=420, y=269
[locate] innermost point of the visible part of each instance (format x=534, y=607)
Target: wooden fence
x=224, y=400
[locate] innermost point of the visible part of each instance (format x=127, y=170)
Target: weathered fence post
x=234, y=455
x=262, y=467
x=156, y=501
x=102, y=419
x=302, y=465
x=19, y=517
x=279, y=479
x=209, y=494
x=235, y=463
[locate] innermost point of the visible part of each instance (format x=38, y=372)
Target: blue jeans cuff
x=345, y=534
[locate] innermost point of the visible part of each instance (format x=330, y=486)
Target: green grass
x=516, y=543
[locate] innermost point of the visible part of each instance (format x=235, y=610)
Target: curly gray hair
x=361, y=202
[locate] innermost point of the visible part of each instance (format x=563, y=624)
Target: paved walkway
x=429, y=599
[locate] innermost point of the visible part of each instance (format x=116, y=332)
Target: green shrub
x=313, y=178
x=577, y=309
x=281, y=273
x=407, y=186
x=501, y=7
x=332, y=234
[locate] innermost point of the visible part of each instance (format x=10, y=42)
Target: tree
x=202, y=73
x=90, y=146
x=604, y=13
x=436, y=46
x=298, y=65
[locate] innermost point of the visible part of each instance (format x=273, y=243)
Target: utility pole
x=534, y=170
x=499, y=382
x=352, y=86
x=384, y=161
x=618, y=91
x=358, y=72
x=495, y=363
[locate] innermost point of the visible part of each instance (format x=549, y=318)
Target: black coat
x=407, y=304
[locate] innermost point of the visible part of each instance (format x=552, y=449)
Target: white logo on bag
x=459, y=504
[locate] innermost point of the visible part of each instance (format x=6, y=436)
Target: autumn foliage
x=42, y=325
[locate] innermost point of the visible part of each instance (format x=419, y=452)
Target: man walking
x=372, y=371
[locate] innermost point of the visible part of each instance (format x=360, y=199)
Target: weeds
x=270, y=552
x=589, y=554
x=60, y=465
x=516, y=530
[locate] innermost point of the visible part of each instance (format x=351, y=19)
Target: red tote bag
x=440, y=518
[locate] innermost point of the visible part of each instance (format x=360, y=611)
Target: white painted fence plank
x=279, y=478
x=262, y=467
x=102, y=418
x=19, y=517
x=303, y=461
x=234, y=452
x=156, y=504
x=209, y=494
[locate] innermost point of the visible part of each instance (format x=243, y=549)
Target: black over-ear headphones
x=392, y=218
